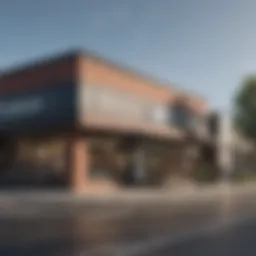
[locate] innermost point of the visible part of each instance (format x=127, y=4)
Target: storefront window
x=106, y=159
x=38, y=162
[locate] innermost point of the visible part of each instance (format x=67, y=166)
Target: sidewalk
x=32, y=204
x=174, y=195
x=127, y=195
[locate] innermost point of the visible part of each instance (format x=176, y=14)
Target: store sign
x=21, y=108
x=37, y=110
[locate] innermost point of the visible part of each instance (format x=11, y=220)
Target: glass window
x=180, y=117
x=38, y=162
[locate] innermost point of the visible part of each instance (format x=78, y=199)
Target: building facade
x=81, y=122
x=233, y=153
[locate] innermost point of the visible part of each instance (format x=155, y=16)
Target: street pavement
x=222, y=223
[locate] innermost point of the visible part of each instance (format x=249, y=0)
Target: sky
x=204, y=46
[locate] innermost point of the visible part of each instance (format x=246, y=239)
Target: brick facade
x=87, y=70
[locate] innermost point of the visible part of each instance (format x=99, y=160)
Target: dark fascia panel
x=40, y=62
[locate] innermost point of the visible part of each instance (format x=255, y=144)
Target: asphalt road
x=220, y=225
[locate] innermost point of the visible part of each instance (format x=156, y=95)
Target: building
x=82, y=122
x=233, y=153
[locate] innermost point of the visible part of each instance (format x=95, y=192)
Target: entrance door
x=134, y=173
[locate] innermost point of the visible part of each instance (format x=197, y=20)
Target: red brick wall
x=91, y=71
x=39, y=75
x=96, y=72
x=78, y=162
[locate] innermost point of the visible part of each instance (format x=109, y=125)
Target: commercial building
x=234, y=154
x=81, y=122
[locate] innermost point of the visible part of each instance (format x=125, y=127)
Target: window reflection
x=37, y=162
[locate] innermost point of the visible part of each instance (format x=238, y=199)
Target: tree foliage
x=245, y=108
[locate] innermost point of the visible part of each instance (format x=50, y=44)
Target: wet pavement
x=223, y=225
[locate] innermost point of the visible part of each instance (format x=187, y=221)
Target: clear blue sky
x=206, y=46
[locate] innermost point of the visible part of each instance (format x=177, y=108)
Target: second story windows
x=180, y=117
x=184, y=118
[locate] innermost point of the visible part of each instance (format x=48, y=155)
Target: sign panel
x=38, y=110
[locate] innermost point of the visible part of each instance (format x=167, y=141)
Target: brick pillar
x=78, y=157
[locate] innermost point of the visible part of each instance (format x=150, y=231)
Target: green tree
x=245, y=108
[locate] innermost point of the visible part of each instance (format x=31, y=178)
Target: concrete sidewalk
x=174, y=195
x=30, y=204
x=128, y=195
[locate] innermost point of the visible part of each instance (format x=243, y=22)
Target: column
x=139, y=164
x=78, y=159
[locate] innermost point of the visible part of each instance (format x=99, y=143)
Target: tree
x=245, y=108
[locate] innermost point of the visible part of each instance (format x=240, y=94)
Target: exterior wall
x=94, y=72
x=114, y=99
x=191, y=102
x=226, y=143
x=78, y=163
x=40, y=97
x=189, y=120
x=230, y=146
x=223, y=137
x=124, y=102
x=40, y=110
x=41, y=75
x=80, y=160
x=91, y=72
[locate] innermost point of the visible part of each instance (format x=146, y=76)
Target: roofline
x=38, y=62
x=125, y=68
x=141, y=74
x=78, y=52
